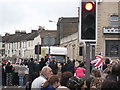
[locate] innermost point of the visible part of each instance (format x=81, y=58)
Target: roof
x=19, y=37
x=31, y=36
x=68, y=19
x=7, y=38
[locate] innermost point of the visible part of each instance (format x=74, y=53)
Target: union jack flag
x=110, y=60
x=98, y=62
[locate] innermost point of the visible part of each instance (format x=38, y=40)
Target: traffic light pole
x=87, y=74
x=93, y=52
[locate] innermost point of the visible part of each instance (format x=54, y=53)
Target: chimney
x=32, y=31
x=23, y=32
x=17, y=32
x=7, y=34
x=41, y=28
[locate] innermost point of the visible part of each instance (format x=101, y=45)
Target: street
x=13, y=88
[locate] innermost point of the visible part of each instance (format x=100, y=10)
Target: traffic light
x=88, y=20
x=37, y=49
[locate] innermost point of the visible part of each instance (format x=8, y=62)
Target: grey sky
x=29, y=14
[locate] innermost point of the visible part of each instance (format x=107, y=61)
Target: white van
x=59, y=52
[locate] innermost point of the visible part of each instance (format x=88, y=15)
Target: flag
x=98, y=62
x=110, y=60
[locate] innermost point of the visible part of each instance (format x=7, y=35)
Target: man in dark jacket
x=70, y=66
x=53, y=65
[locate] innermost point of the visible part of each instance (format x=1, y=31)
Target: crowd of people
x=69, y=75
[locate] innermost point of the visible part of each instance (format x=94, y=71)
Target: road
x=13, y=88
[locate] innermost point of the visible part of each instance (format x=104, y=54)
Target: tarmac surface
x=12, y=88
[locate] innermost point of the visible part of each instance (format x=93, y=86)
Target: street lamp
x=51, y=21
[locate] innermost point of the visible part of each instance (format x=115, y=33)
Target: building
x=49, y=34
x=68, y=36
x=108, y=40
x=108, y=33
x=22, y=44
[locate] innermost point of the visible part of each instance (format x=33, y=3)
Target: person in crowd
x=70, y=66
x=36, y=67
x=46, y=59
x=115, y=74
x=53, y=65
x=9, y=71
x=107, y=61
x=3, y=74
x=115, y=71
x=42, y=63
x=31, y=66
x=109, y=85
x=46, y=73
x=21, y=74
x=96, y=81
x=16, y=78
x=26, y=79
x=64, y=80
x=94, y=73
x=107, y=71
x=19, y=60
x=51, y=84
x=28, y=84
x=75, y=83
x=80, y=71
x=77, y=63
x=84, y=63
x=63, y=67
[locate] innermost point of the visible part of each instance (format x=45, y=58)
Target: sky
x=30, y=14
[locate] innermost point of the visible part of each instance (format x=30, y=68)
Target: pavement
x=13, y=88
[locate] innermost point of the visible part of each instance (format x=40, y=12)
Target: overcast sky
x=29, y=14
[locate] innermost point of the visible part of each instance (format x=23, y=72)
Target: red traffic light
x=89, y=6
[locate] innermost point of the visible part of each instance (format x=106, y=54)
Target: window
x=28, y=43
x=31, y=43
x=3, y=45
x=114, y=20
x=114, y=17
x=81, y=51
x=113, y=48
